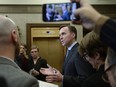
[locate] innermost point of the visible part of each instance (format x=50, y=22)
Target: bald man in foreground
x=9, y=44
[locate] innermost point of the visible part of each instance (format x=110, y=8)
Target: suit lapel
x=69, y=56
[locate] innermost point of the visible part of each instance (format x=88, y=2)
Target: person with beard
x=9, y=44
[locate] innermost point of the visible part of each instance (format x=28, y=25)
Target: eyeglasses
x=105, y=76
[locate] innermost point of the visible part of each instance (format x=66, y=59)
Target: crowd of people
x=91, y=63
x=104, y=27
x=31, y=63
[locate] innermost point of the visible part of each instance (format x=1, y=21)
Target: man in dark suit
x=75, y=69
x=9, y=44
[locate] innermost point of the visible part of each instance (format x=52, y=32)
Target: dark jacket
x=75, y=69
x=41, y=63
x=22, y=62
x=96, y=80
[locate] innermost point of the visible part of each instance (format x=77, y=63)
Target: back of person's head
x=9, y=38
x=71, y=29
x=6, y=27
x=91, y=45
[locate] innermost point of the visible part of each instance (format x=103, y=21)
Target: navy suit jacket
x=75, y=69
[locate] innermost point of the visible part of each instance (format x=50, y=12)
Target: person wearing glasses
x=9, y=46
x=110, y=68
x=94, y=52
x=104, y=26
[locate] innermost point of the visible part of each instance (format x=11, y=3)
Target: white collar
x=70, y=47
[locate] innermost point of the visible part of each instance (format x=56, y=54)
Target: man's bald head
x=9, y=38
x=6, y=27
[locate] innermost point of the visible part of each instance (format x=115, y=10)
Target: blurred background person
x=36, y=62
x=50, y=12
x=94, y=51
x=23, y=59
x=65, y=12
x=57, y=15
x=72, y=9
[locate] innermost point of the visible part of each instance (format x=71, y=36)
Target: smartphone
x=56, y=12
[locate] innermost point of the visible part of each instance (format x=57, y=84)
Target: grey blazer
x=14, y=76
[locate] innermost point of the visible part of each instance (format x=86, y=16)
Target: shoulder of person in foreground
x=29, y=81
x=23, y=79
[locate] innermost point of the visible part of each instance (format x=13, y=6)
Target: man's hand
x=34, y=72
x=56, y=77
x=47, y=71
x=53, y=75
